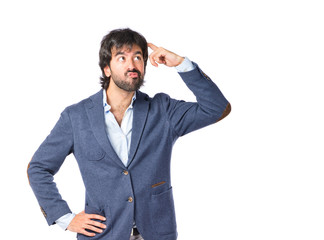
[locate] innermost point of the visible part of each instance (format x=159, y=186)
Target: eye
x=138, y=58
x=121, y=59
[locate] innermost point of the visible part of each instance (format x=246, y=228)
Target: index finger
x=152, y=46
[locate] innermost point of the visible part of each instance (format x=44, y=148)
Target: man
x=122, y=140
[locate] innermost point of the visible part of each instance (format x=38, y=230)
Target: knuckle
x=93, y=223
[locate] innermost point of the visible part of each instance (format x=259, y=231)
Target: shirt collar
x=107, y=107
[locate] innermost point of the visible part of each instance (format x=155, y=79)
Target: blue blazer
x=140, y=191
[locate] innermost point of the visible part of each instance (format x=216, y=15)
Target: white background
x=258, y=174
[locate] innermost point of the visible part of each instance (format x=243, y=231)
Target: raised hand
x=163, y=56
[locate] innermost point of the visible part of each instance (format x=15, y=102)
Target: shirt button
x=130, y=199
x=125, y=172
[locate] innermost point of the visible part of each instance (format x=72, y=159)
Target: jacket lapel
x=141, y=107
x=95, y=112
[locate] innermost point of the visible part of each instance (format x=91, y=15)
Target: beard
x=132, y=86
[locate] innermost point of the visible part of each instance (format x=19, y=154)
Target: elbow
x=226, y=112
x=28, y=172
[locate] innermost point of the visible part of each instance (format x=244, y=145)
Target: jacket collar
x=140, y=111
x=95, y=112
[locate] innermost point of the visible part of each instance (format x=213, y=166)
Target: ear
x=107, y=71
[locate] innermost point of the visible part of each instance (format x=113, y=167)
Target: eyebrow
x=123, y=53
x=119, y=53
x=138, y=52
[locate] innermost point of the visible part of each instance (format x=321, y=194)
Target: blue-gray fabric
x=157, y=123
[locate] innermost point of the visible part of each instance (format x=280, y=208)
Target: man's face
x=126, y=68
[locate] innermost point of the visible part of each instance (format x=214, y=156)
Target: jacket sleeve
x=211, y=105
x=45, y=163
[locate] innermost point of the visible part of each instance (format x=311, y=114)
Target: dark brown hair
x=119, y=38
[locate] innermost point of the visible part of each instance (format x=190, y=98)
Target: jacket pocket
x=89, y=146
x=95, y=155
x=163, y=213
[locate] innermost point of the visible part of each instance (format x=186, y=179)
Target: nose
x=131, y=64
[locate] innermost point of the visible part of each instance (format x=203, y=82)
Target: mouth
x=133, y=74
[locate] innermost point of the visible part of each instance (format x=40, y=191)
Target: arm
x=45, y=163
x=41, y=170
x=211, y=105
x=187, y=66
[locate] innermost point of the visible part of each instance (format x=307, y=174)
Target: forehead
x=126, y=49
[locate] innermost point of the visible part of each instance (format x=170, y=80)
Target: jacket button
x=125, y=172
x=130, y=199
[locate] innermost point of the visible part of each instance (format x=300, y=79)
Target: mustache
x=135, y=71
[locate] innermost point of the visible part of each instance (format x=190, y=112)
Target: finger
x=152, y=46
x=151, y=57
x=161, y=60
x=94, y=229
x=97, y=224
x=89, y=234
x=96, y=216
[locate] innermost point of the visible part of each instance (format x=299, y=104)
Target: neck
x=117, y=98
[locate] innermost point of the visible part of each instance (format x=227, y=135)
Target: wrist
x=65, y=220
x=185, y=66
x=179, y=60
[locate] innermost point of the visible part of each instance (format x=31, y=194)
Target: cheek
x=116, y=68
x=140, y=67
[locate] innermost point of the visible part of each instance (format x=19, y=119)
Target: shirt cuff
x=65, y=220
x=185, y=66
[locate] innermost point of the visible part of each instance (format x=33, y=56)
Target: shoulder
x=158, y=98
x=88, y=102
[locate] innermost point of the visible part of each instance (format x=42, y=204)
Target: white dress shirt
x=120, y=136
